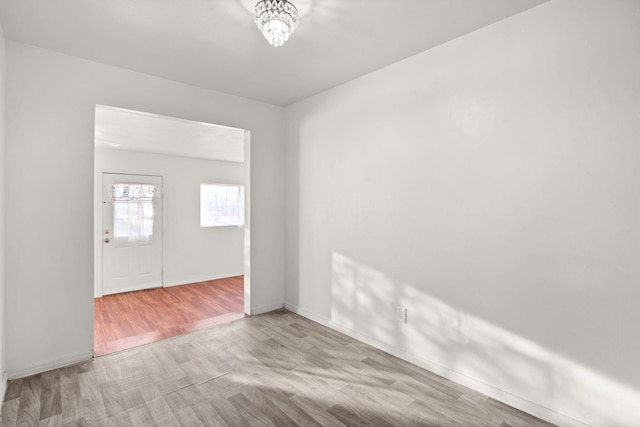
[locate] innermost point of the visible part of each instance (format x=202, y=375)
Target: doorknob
x=106, y=240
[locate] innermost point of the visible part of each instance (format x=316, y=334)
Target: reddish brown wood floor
x=134, y=318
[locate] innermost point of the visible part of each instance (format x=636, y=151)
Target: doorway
x=152, y=253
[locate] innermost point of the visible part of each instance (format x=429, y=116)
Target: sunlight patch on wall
x=471, y=350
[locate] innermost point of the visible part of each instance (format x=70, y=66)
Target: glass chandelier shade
x=276, y=19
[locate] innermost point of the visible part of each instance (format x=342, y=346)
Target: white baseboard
x=189, y=280
x=185, y=281
x=472, y=383
x=67, y=360
x=309, y=315
x=132, y=288
x=3, y=390
x=266, y=308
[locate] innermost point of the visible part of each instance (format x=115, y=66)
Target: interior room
x=188, y=233
x=441, y=224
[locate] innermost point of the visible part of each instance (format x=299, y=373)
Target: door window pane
x=133, y=211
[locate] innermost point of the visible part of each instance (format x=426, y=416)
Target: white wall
x=51, y=100
x=3, y=382
x=490, y=185
x=190, y=253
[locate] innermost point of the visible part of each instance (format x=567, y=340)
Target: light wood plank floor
x=276, y=369
x=130, y=319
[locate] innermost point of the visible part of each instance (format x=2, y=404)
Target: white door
x=131, y=232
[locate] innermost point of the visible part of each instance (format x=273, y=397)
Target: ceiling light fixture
x=276, y=19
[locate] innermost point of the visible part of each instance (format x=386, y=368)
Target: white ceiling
x=120, y=129
x=215, y=44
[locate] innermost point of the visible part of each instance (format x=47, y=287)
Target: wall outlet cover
x=401, y=314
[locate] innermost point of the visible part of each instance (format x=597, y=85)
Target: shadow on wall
x=471, y=350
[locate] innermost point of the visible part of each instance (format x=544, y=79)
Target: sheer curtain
x=133, y=211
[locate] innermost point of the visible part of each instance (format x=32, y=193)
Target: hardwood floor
x=131, y=319
x=273, y=369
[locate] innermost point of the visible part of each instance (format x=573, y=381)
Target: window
x=221, y=205
x=133, y=211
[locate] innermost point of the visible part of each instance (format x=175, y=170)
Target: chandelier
x=276, y=19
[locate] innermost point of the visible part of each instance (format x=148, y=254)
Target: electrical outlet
x=401, y=314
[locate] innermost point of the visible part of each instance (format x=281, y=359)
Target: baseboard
x=133, y=288
x=98, y=294
x=309, y=315
x=3, y=390
x=266, y=308
x=190, y=280
x=70, y=359
x=472, y=383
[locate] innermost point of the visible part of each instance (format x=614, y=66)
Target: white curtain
x=133, y=211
